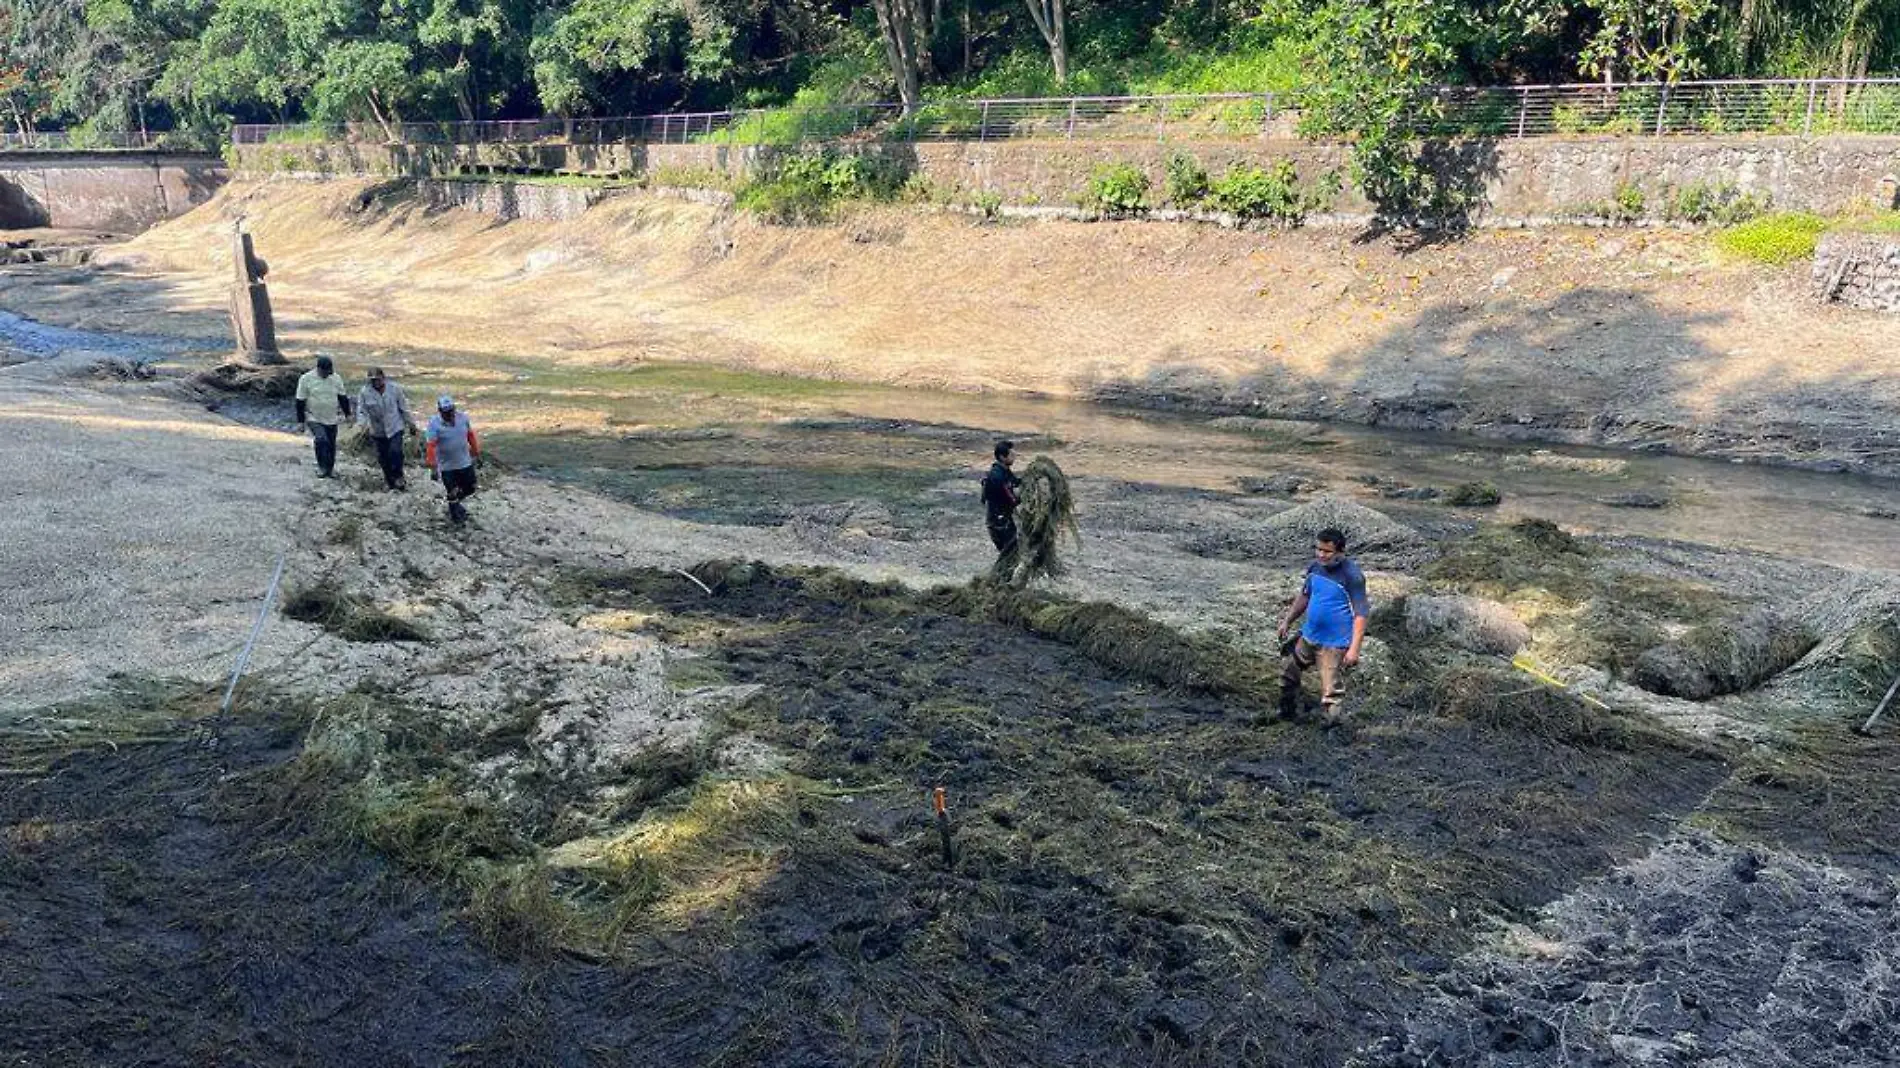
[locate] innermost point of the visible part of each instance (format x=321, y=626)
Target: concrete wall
x=1859, y=270
x=1529, y=180
x=121, y=192
x=511, y=200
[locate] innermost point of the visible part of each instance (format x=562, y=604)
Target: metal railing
x=1226, y=115
x=1805, y=107
x=107, y=141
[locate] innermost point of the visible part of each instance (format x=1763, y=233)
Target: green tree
x=364, y=77
x=252, y=55
x=1052, y=21
x=475, y=53
x=1662, y=40
x=649, y=54
x=908, y=29
x=36, y=36
x=1367, y=66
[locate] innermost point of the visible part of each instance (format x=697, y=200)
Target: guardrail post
x=1071, y=133
x=1662, y=111
x=1807, y=125
x=1523, y=110
x=982, y=124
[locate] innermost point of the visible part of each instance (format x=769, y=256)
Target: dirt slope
x=1640, y=338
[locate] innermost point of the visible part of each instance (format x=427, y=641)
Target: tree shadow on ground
x=1591, y=365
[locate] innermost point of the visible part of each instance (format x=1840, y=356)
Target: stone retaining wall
x=512, y=200
x=1512, y=181
x=1859, y=270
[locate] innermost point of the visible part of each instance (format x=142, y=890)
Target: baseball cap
x=445, y=401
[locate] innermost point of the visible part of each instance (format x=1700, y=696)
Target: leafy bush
x=1720, y=203
x=1774, y=239
x=1187, y=182
x=808, y=187
x=1628, y=202
x=1274, y=193
x=1118, y=189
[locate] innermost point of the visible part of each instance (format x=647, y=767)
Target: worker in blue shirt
x=1333, y=600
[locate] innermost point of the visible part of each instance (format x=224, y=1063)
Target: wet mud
x=167, y=903
x=1142, y=874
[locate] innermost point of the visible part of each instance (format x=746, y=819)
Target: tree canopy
x=111, y=65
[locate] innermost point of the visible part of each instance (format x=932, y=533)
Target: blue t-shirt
x=1334, y=595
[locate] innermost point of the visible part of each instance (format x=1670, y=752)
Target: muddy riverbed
x=591, y=810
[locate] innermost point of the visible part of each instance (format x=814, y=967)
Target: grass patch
x=1500, y=560
x=1883, y=222
x=349, y=617
x=1127, y=838
x=1723, y=657
x=1775, y=239
x=1121, y=641
x=1822, y=790
x=1117, y=190
x=347, y=531
x=1474, y=495
x=1581, y=610
x=127, y=711
x=1513, y=701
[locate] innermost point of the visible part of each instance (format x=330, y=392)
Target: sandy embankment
x=1624, y=338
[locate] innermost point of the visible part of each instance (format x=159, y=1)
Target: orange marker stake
x=943, y=826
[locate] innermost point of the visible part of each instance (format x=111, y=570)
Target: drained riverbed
x=582, y=810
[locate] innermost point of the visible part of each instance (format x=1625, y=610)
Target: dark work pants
x=459, y=484
x=1003, y=536
x=324, y=437
x=389, y=456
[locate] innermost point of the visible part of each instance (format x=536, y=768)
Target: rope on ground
x=1868, y=727
x=257, y=631
x=1528, y=666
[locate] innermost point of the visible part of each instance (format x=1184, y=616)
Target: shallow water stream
x=644, y=428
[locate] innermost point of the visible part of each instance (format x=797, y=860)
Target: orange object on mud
x=936, y=797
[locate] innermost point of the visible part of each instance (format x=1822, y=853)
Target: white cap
x=445, y=401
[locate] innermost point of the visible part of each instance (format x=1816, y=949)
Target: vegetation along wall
x=1618, y=178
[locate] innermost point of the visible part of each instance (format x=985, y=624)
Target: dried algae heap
x=1045, y=515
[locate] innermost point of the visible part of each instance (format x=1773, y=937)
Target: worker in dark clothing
x=999, y=501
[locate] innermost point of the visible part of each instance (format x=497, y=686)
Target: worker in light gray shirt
x=382, y=408
x=453, y=451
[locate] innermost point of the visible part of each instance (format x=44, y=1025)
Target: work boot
x=1289, y=702
x=457, y=513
